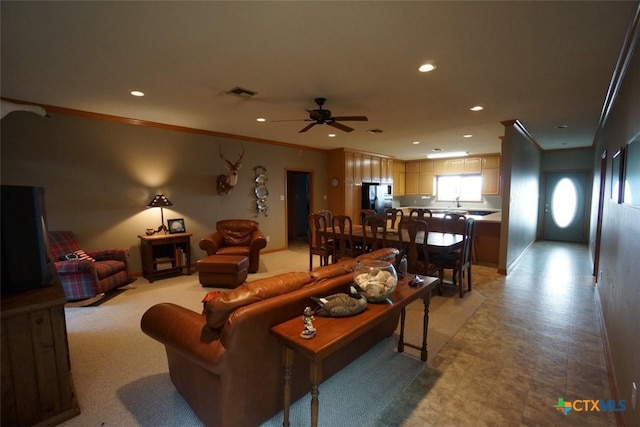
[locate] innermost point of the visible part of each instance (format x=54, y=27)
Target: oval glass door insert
x=564, y=203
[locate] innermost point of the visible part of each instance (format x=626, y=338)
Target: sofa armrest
x=185, y=332
x=212, y=243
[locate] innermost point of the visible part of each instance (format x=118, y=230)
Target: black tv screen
x=26, y=263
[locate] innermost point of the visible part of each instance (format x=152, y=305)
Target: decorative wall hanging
x=228, y=181
x=261, y=191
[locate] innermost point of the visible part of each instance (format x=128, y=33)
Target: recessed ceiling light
x=477, y=108
x=332, y=135
x=137, y=93
x=447, y=154
x=425, y=68
x=416, y=142
x=261, y=119
x=468, y=135
x=561, y=127
x=435, y=150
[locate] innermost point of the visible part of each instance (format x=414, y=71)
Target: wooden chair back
x=319, y=243
x=453, y=223
x=419, y=213
x=413, y=235
x=374, y=233
x=343, y=246
x=366, y=212
x=393, y=215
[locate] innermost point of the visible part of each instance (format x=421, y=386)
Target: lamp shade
x=159, y=201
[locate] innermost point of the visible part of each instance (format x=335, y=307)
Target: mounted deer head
x=228, y=181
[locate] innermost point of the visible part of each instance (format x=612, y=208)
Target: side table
x=165, y=255
x=336, y=332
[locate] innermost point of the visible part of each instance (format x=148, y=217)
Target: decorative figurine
x=307, y=318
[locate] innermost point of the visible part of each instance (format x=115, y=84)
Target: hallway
x=536, y=339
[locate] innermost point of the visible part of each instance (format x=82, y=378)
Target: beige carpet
x=121, y=376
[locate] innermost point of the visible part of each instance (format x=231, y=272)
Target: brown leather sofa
x=236, y=237
x=226, y=363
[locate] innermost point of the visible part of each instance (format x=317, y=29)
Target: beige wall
x=619, y=286
x=520, y=195
x=99, y=176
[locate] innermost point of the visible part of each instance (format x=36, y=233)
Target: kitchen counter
x=486, y=240
x=495, y=216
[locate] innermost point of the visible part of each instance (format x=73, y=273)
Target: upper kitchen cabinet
x=458, y=166
x=399, y=172
x=491, y=175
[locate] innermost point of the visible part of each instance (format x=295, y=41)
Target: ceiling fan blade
x=340, y=126
x=306, y=128
x=291, y=120
x=351, y=118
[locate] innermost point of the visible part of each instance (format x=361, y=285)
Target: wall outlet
x=268, y=237
x=634, y=395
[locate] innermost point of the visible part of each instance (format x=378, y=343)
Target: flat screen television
x=26, y=262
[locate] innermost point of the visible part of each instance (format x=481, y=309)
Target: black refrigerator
x=373, y=197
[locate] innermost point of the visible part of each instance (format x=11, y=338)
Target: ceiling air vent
x=242, y=92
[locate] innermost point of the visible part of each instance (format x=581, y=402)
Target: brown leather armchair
x=236, y=237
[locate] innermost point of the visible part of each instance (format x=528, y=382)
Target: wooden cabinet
x=352, y=168
x=491, y=181
x=472, y=165
x=419, y=177
x=458, y=166
x=37, y=388
x=398, y=178
x=490, y=162
x=165, y=255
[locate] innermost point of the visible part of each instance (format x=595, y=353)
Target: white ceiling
x=544, y=63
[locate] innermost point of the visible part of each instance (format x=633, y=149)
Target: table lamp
x=160, y=201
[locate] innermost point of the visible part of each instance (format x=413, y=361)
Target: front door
x=564, y=209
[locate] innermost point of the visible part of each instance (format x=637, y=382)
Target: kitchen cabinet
x=398, y=178
x=351, y=169
x=491, y=181
x=458, y=166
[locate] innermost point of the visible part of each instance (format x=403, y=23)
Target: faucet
x=458, y=201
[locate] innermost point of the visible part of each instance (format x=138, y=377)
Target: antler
x=232, y=166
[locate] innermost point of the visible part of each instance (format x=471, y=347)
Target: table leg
x=316, y=377
x=403, y=315
x=425, y=325
x=287, y=357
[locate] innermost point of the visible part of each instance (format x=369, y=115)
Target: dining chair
x=327, y=214
x=374, y=233
x=453, y=223
x=366, y=212
x=460, y=261
x=413, y=235
x=394, y=215
x=319, y=243
x=420, y=213
x=343, y=246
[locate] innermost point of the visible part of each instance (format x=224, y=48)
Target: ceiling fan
x=321, y=116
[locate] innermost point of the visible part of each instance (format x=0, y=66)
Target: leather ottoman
x=222, y=271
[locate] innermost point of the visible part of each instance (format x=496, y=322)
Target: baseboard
x=613, y=383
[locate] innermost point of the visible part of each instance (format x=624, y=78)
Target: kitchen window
x=463, y=188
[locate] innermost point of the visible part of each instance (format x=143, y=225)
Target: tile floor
x=535, y=339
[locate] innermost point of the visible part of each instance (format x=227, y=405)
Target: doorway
x=564, y=208
x=298, y=205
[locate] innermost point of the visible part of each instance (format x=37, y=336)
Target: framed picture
x=617, y=176
x=631, y=188
x=176, y=226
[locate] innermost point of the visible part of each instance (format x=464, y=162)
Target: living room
x=100, y=171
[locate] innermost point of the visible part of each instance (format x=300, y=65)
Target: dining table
x=437, y=242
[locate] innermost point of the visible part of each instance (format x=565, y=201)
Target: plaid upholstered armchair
x=87, y=275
